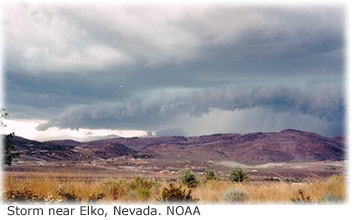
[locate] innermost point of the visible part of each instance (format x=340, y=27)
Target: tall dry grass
x=274, y=192
x=141, y=190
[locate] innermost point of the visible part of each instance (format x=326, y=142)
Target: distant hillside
x=254, y=148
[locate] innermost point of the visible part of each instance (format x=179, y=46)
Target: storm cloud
x=178, y=69
x=161, y=109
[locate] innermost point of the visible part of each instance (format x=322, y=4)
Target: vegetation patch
x=174, y=193
x=210, y=175
x=238, y=175
x=302, y=198
x=235, y=195
x=189, y=178
x=51, y=190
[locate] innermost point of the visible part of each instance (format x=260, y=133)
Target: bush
x=234, y=195
x=94, y=197
x=143, y=193
x=189, y=179
x=68, y=196
x=302, y=198
x=174, y=193
x=331, y=198
x=116, y=188
x=210, y=175
x=21, y=196
x=50, y=198
x=139, y=194
x=238, y=175
x=142, y=183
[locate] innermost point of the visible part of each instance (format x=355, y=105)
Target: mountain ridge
x=253, y=148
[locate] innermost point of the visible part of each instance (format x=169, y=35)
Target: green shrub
x=330, y=167
x=140, y=194
x=144, y=194
x=140, y=182
x=189, y=179
x=234, y=195
x=174, y=193
x=331, y=198
x=210, y=175
x=238, y=175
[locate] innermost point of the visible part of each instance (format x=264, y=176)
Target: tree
x=9, y=154
x=8, y=149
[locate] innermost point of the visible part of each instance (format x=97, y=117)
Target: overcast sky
x=88, y=72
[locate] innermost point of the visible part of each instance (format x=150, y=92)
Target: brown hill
x=254, y=148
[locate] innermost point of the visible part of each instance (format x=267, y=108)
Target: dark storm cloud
x=146, y=67
x=161, y=109
x=170, y=131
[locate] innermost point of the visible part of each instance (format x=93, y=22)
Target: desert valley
x=288, y=158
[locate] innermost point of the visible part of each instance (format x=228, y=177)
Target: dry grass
x=147, y=190
x=274, y=192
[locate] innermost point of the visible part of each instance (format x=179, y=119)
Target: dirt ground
x=160, y=169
